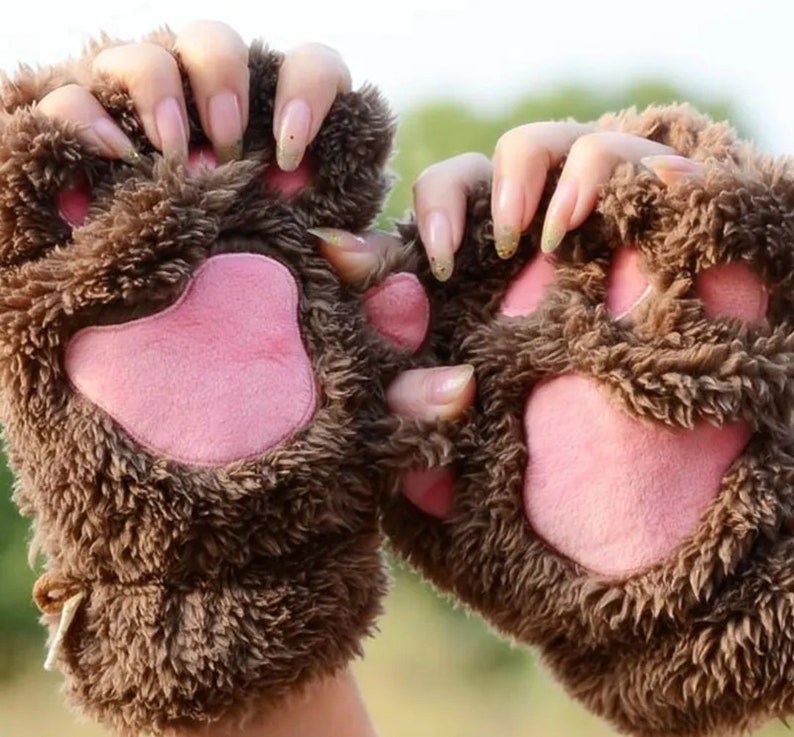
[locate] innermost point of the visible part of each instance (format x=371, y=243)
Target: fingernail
x=340, y=239
x=669, y=168
x=558, y=215
x=114, y=139
x=439, y=245
x=448, y=383
x=508, y=213
x=171, y=126
x=226, y=126
x=293, y=134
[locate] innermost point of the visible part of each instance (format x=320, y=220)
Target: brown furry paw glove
x=622, y=494
x=186, y=392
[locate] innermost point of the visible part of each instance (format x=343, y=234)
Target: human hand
x=522, y=161
x=215, y=58
x=216, y=62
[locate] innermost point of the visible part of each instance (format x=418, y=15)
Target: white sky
x=480, y=51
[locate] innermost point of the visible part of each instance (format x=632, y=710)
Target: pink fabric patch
x=610, y=492
x=219, y=376
x=399, y=310
x=73, y=204
x=732, y=290
x=429, y=490
x=201, y=157
x=627, y=286
x=289, y=183
x=529, y=287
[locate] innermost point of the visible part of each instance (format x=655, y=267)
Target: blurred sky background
x=483, y=51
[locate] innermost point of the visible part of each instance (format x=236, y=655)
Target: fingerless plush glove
x=187, y=389
x=193, y=405
x=623, y=489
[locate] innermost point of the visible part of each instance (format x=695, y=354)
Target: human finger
x=440, y=196
x=310, y=79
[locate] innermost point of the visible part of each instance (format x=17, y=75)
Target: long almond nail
x=171, y=126
x=558, y=215
x=448, y=384
x=508, y=213
x=670, y=168
x=292, y=137
x=340, y=239
x=114, y=140
x=226, y=126
x=350, y=256
x=438, y=241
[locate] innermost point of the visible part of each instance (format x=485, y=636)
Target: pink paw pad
x=219, y=376
x=399, y=310
x=613, y=493
x=528, y=289
x=430, y=491
x=285, y=183
x=73, y=204
x=289, y=183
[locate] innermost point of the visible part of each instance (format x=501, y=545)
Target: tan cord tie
x=53, y=596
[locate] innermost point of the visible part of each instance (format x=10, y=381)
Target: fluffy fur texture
x=210, y=590
x=699, y=643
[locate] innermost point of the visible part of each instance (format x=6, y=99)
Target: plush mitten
x=188, y=397
x=622, y=494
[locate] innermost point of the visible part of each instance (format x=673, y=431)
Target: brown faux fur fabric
x=701, y=643
x=209, y=591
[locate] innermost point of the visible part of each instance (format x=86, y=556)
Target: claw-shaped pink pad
x=219, y=376
x=609, y=491
x=399, y=310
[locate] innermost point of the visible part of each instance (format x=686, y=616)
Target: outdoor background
x=459, y=74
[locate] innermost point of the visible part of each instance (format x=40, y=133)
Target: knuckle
x=475, y=161
x=212, y=41
x=202, y=28
x=135, y=62
x=529, y=142
x=328, y=69
x=429, y=172
x=63, y=100
x=107, y=58
x=589, y=146
x=314, y=48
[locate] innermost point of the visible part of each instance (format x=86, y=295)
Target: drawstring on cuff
x=54, y=596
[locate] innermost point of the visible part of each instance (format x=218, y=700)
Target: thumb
x=434, y=393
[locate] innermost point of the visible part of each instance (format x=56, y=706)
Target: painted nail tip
x=340, y=239
x=329, y=235
x=453, y=383
x=232, y=152
x=506, y=242
x=288, y=158
x=442, y=269
x=132, y=157
x=467, y=370
x=551, y=238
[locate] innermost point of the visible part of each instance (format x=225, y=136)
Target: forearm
x=329, y=708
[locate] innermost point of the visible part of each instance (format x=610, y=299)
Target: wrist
x=326, y=708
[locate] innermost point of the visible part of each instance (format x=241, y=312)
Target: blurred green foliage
x=427, y=134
